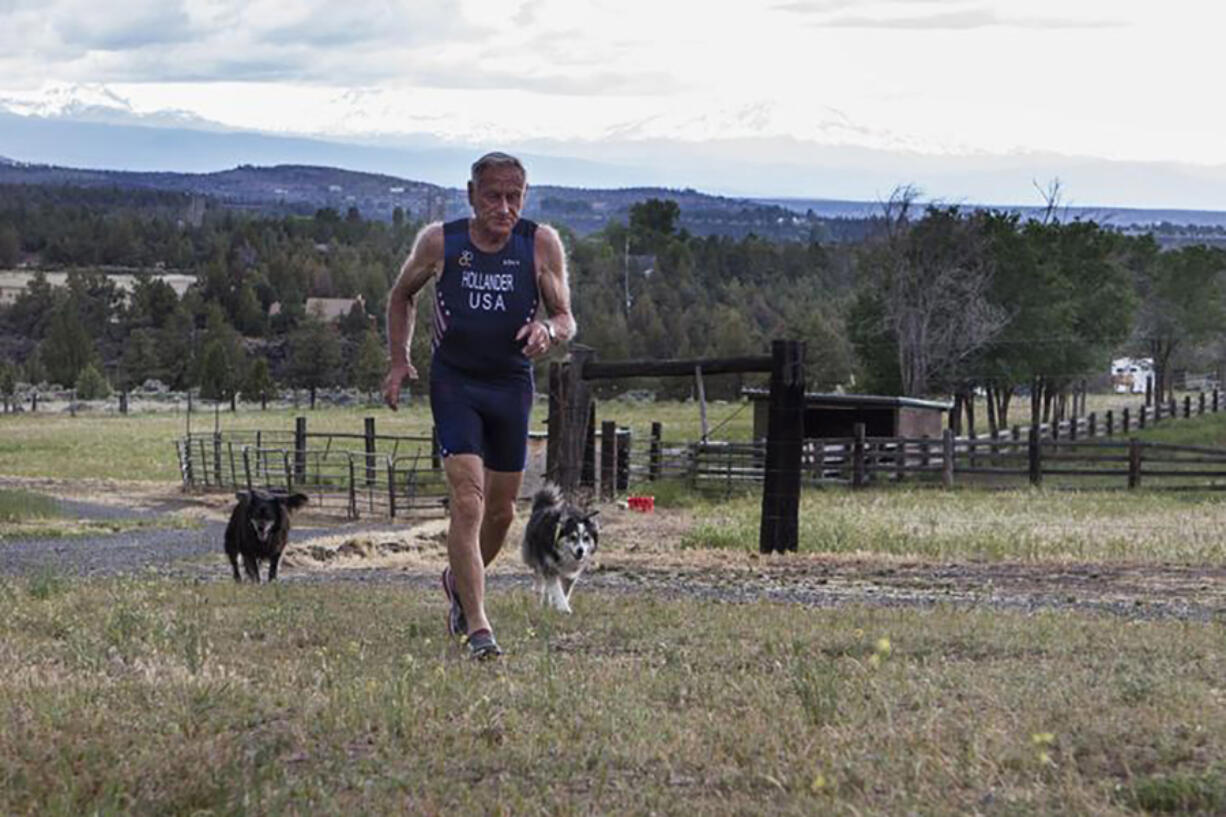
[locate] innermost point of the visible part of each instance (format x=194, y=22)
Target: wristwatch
x=549, y=330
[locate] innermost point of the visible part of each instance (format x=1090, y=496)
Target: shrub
x=91, y=385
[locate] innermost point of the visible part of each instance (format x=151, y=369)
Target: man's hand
x=396, y=374
x=536, y=337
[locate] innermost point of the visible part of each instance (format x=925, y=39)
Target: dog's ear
x=296, y=501
x=243, y=496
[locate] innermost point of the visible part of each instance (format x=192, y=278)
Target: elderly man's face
x=496, y=199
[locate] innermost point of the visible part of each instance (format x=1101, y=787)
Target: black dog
x=259, y=529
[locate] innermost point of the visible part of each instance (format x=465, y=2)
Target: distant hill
x=307, y=188
x=1116, y=216
x=303, y=189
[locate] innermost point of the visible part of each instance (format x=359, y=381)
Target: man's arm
x=555, y=292
x=424, y=261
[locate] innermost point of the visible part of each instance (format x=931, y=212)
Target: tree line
x=931, y=301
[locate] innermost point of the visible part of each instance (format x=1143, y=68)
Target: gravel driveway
x=813, y=580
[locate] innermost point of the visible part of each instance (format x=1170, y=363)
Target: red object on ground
x=644, y=504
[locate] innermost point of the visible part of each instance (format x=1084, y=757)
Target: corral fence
x=718, y=467
x=353, y=475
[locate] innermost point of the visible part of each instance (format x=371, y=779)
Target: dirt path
x=640, y=554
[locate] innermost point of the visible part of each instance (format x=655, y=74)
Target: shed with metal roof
x=836, y=415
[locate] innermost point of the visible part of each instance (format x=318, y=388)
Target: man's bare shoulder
x=430, y=242
x=549, y=241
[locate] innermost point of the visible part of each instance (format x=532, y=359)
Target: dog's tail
x=549, y=496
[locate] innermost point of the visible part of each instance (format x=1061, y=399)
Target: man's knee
x=467, y=497
x=501, y=513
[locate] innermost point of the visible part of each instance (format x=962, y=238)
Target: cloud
x=963, y=19
x=122, y=26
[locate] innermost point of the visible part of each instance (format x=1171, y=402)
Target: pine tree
x=258, y=382
x=68, y=348
x=91, y=385
x=315, y=355
x=369, y=363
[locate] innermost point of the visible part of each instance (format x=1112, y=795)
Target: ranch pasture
x=960, y=652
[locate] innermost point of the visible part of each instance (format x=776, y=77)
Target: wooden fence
x=378, y=475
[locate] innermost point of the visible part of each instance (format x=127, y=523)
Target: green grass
x=140, y=446
x=18, y=506
x=1026, y=525
x=155, y=697
x=24, y=514
x=1207, y=430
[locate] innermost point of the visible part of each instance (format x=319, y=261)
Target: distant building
x=1130, y=374
x=15, y=282
x=332, y=310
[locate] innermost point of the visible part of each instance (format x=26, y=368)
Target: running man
x=492, y=273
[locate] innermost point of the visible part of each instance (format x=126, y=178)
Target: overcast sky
x=1116, y=79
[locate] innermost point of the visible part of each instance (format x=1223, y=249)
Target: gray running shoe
x=457, y=624
x=482, y=646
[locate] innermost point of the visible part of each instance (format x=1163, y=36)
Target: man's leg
x=501, y=488
x=465, y=479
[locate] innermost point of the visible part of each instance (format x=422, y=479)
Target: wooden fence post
x=1110, y=422
x=217, y=472
x=779, y=530
x=353, y=493
x=1126, y=420
x=1092, y=425
x=587, y=476
x=1141, y=417
x=947, y=459
x=1035, y=451
x=300, y=431
x=189, y=476
x=1187, y=406
x=1073, y=427
x=608, y=459
x=858, y=470
x=1134, y=463
x=623, y=459
x=1215, y=400
x=569, y=412
x=391, y=488
x=370, y=450
x=1149, y=390
x=247, y=466
x=1174, y=409
x=653, y=465
x=1201, y=406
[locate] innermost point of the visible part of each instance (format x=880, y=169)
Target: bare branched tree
x=933, y=278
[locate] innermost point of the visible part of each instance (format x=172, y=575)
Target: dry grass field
x=937, y=653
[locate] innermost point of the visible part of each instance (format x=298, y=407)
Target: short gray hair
x=496, y=159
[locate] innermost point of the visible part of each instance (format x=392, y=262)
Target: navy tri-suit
x=480, y=379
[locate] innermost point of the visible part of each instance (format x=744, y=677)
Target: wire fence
x=398, y=476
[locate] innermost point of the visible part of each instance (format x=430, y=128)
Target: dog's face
x=577, y=537
x=266, y=513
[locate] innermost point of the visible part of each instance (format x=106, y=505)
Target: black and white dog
x=558, y=543
x=259, y=529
